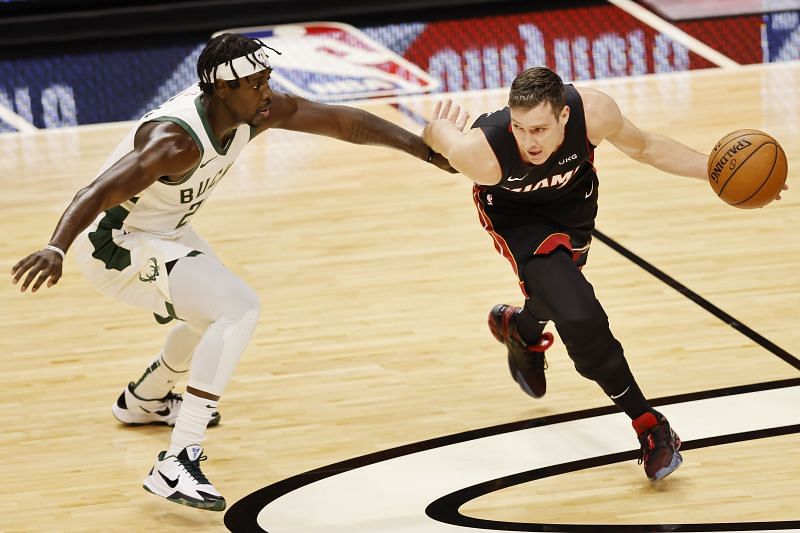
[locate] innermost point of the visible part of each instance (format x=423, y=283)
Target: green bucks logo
x=151, y=276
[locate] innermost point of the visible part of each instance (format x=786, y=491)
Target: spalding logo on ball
x=747, y=168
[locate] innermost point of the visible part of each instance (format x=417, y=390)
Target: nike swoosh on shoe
x=171, y=482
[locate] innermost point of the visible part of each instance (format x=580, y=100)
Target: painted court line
x=22, y=125
x=676, y=34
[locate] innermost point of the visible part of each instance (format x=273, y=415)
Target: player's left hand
x=785, y=188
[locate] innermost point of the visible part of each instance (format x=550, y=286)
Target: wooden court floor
x=375, y=278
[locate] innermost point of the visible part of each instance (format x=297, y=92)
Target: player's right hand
x=45, y=263
x=447, y=110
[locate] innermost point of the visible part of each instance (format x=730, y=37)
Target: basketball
x=747, y=168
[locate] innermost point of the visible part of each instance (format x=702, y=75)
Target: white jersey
x=125, y=253
x=166, y=208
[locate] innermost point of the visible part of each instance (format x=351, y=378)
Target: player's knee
x=587, y=319
x=241, y=305
x=603, y=365
x=581, y=319
x=249, y=301
x=590, y=343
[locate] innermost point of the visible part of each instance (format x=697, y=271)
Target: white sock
x=192, y=422
x=157, y=380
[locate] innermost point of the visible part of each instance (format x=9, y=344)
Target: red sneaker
x=659, y=446
x=526, y=363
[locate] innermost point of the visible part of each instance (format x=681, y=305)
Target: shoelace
x=648, y=443
x=193, y=468
x=545, y=341
x=172, y=400
x=511, y=335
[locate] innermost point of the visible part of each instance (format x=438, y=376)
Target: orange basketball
x=747, y=168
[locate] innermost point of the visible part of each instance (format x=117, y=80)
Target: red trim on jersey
x=553, y=241
x=499, y=242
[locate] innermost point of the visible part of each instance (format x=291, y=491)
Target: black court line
x=242, y=516
x=446, y=508
x=699, y=300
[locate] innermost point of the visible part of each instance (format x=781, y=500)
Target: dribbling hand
x=784, y=188
x=46, y=264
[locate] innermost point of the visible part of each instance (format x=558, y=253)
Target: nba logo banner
x=326, y=61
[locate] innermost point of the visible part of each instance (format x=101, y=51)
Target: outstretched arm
x=347, y=124
x=160, y=149
x=604, y=120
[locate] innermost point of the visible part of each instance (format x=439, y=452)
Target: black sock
x=529, y=327
x=626, y=394
x=631, y=400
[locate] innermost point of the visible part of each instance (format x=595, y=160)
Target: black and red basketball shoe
x=660, y=446
x=526, y=362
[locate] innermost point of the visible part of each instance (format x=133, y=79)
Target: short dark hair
x=221, y=49
x=536, y=85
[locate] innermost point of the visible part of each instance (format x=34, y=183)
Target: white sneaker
x=134, y=411
x=179, y=479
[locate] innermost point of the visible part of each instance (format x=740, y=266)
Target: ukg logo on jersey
x=326, y=61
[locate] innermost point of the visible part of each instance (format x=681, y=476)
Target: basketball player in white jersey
x=130, y=230
x=536, y=192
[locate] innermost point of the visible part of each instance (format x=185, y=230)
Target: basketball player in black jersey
x=536, y=193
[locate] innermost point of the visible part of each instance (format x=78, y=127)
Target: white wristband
x=56, y=249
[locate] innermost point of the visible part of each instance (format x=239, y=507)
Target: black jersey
x=537, y=208
x=562, y=190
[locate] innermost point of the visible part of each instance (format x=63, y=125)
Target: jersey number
x=192, y=210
